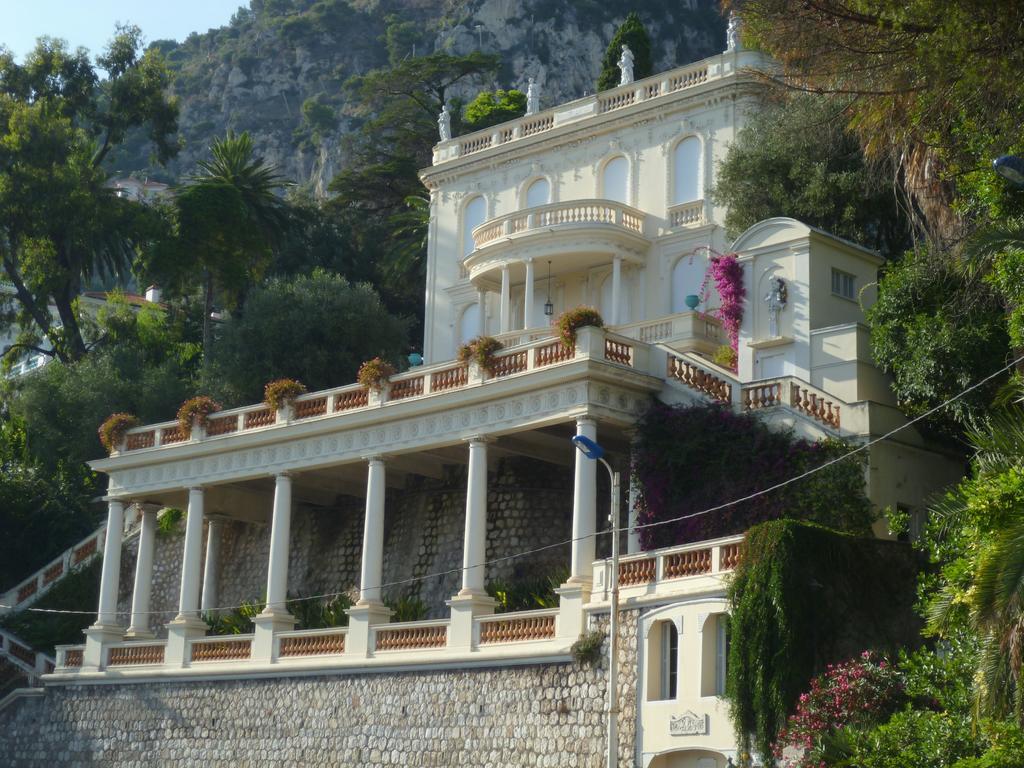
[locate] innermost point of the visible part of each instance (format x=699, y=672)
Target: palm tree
x=231, y=217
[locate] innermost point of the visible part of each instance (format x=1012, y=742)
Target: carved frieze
x=688, y=724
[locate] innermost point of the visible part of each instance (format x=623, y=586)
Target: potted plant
x=195, y=412
x=280, y=394
x=374, y=374
x=113, y=430
x=572, y=320
x=481, y=351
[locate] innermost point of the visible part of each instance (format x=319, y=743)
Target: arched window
x=469, y=323
x=538, y=193
x=686, y=171
x=687, y=276
x=714, y=655
x=663, y=670
x=614, y=178
x=473, y=216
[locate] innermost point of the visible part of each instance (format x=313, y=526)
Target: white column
x=528, y=296
x=505, y=300
x=211, y=570
x=474, y=547
x=140, y=622
x=481, y=300
x=372, y=573
x=584, y=508
x=633, y=541
x=280, y=536
x=188, y=599
x=616, y=290
x=107, y=613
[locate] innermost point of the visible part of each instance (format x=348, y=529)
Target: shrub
x=168, y=520
x=725, y=357
x=373, y=374
x=587, y=650
x=321, y=614
x=42, y=631
x=407, y=609
x=282, y=392
x=234, y=622
x=573, y=319
x=196, y=410
x=113, y=430
x=481, y=350
x=526, y=595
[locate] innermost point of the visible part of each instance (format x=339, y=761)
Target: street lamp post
x=593, y=451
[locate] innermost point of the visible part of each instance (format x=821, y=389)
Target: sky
x=90, y=23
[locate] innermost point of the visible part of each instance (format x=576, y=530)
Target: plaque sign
x=688, y=724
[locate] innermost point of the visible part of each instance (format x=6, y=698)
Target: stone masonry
x=502, y=717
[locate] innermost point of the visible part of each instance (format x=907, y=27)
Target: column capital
x=198, y=488
x=284, y=473
x=478, y=439
x=118, y=499
x=375, y=458
x=586, y=421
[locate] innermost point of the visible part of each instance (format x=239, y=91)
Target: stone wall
x=534, y=715
x=529, y=507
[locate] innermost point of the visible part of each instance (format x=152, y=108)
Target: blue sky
x=90, y=23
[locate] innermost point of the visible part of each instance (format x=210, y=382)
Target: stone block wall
x=500, y=717
x=529, y=507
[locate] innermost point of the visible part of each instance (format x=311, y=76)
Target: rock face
x=257, y=73
x=505, y=717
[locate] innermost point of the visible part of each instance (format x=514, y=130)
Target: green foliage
x=796, y=157
x=802, y=597
x=315, y=328
x=488, y=109
x=321, y=613
x=374, y=374
x=59, y=224
x=935, y=334
x=526, y=594
x=688, y=459
x=167, y=521
x=725, y=357
x=633, y=33
x=318, y=115
x=196, y=410
x=237, y=621
x=480, y=350
x=407, y=608
x=587, y=650
x=113, y=430
x=80, y=587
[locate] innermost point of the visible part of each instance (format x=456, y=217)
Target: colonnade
x=198, y=585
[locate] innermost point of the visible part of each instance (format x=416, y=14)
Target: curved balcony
x=574, y=235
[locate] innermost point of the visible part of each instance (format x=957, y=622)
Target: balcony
x=574, y=235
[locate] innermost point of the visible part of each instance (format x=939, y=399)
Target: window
x=686, y=171
x=843, y=284
x=538, y=193
x=721, y=652
x=473, y=216
x=669, y=659
x=714, y=654
x=614, y=177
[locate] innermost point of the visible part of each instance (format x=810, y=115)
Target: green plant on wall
x=526, y=594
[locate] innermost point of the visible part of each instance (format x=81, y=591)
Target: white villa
x=605, y=202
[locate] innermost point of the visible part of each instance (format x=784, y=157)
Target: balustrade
x=449, y=378
x=412, y=637
x=513, y=629
x=699, y=379
x=137, y=440
x=690, y=563
x=261, y=417
x=814, y=405
x=221, y=650
x=549, y=354
x=555, y=214
x=129, y=655
x=637, y=571
x=506, y=365
x=53, y=573
x=222, y=425
x=404, y=388
x=762, y=395
x=84, y=551
x=307, y=409
x=618, y=352
x=311, y=644
x=348, y=401
x=173, y=435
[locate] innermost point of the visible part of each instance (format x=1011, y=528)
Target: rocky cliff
x=277, y=69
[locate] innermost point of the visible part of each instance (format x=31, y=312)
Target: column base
x=572, y=596
x=139, y=634
x=268, y=623
x=361, y=617
x=96, y=638
x=180, y=630
x=464, y=607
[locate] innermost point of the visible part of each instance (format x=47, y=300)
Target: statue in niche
x=732, y=33
x=626, y=65
x=776, y=299
x=532, y=98
x=444, y=124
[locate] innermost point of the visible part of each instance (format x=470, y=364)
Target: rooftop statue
x=444, y=124
x=732, y=33
x=626, y=65
x=532, y=98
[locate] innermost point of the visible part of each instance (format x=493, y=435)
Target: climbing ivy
x=803, y=597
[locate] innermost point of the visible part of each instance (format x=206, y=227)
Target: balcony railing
x=572, y=212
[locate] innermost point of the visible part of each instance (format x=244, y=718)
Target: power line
x=771, y=489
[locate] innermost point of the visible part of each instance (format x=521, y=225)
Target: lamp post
x=1011, y=168
x=595, y=452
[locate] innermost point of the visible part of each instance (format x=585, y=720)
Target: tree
x=796, y=157
x=633, y=33
x=317, y=328
x=488, y=108
x=59, y=223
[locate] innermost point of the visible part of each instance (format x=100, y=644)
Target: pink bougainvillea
x=727, y=273
x=858, y=691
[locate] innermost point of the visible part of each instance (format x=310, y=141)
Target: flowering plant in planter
x=196, y=410
x=282, y=392
x=482, y=350
x=374, y=373
x=572, y=320
x=113, y=430
x=726, y=271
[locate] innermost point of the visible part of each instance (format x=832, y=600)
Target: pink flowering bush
x=727, y=273
x=858, y=692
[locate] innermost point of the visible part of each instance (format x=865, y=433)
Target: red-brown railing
x=312, y=645
x=515, y=629
x=410, y=638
